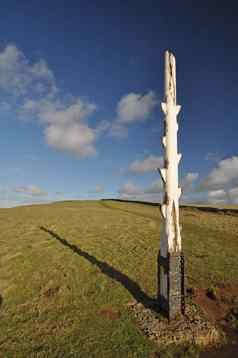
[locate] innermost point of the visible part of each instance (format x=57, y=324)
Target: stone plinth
x=173, y=302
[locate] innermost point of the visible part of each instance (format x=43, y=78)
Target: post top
x=170, y=52
x=170, y=77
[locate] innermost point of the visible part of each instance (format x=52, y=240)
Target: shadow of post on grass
x=111, y=272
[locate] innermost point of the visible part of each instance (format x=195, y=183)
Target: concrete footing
x=172, y=302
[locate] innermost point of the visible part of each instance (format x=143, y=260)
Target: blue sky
x=80, y=90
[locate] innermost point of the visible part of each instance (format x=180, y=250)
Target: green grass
x=62, y=264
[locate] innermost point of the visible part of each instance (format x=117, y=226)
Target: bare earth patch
x=223, y=311
x=113, y=315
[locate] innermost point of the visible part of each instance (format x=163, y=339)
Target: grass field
x=68, y=270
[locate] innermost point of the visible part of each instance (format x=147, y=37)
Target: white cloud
x=225, y=172
x=39, y=108
x=40, y=69
x=233, y=192
x=233, y=195
x=30, y=189
x=74, y=113
x=187, y=181
x=155, y=188
x=217, y=194
x=20, y=78
x=134, y=106
x=130, y=189
x=33, y=89
x=74, y=137
x=102, y=127
x=148, y=164
x=118, y=130
x=99, y=189
x=216, y=201
x=131, y=108
x=67, y=128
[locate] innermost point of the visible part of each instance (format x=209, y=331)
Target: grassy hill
x=68, y=270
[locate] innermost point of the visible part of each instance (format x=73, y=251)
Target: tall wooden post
x=170, y=258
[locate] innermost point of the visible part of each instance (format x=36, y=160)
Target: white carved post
x=170, y=260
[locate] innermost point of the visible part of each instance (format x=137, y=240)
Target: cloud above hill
x=233, y=195
x=129, y=189
x=150, y=163
x=135, y=107
x=132, y=108
x=188, y=181
x=223, y=174
x=155, y=187
x=132, y=191
x=31, y=190
x=220, y=185
x=30, y=90
x=99, y=189
x=22, y=78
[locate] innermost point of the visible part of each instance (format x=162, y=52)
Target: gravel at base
x=191, y=328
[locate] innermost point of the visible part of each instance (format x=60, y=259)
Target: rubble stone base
x=192, y=328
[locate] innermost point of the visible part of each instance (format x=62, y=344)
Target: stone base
x=192, y=329
x=172, y=302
